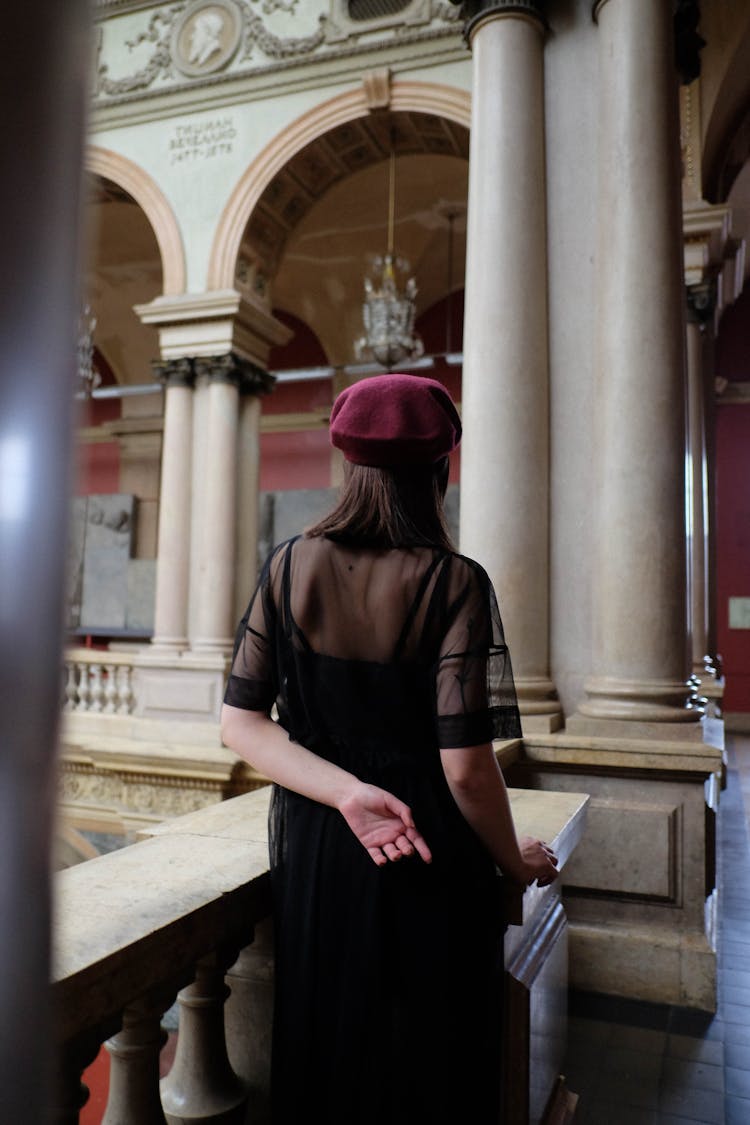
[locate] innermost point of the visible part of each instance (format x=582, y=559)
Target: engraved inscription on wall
x=202, y=140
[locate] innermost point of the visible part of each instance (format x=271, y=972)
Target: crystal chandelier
x=88, y=376
x=387, y=313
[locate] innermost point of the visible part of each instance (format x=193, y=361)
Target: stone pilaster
x=505, y=394
x=640, y=647
x=173, y=557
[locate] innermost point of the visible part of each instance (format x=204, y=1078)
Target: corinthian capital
x=475, y=12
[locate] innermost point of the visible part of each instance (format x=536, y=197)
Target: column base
x=591, y=726
x=540, y=708
x=640, y=890
x=656, y=965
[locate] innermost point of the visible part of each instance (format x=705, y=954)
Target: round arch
x=152, y=201
x=417, y=97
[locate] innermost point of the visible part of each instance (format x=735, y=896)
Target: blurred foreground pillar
x=44, y=57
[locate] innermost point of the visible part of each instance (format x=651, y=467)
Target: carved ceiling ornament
x=203, y=38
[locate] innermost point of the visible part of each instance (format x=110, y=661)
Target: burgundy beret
x=391, y=420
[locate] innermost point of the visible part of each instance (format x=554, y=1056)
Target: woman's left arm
x=381, y=822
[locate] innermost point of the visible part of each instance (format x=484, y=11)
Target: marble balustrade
x=185, y=912
x=98, y=681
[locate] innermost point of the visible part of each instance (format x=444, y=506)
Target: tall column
x=640, y=649
x=215, y=530
x=40, y=209
x=256, y=383
x=700, y=309
x=173, y=552
x=505, y=393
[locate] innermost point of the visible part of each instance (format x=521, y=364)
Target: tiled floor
x=649, y=1064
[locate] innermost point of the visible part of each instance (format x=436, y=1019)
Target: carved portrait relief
x=206, y=36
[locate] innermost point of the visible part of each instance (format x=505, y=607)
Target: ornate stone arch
x=419, y=97
x=152, y=201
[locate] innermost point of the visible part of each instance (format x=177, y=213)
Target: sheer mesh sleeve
x=253, y=680
x=475, y=695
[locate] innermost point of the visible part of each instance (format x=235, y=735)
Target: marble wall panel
x=141, y=593
x=630, y=849
x=107, y=550
x=74, y=566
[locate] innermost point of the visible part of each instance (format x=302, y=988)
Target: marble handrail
x=133, y=926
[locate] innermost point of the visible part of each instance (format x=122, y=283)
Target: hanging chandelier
x=388, y=313
x=88, y=376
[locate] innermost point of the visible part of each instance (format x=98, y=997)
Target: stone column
x=640, y=649
x=173, y=555
x=214, y=522
x=505, y=394
x=42, y=143
x=256, y=383
x=700, y=310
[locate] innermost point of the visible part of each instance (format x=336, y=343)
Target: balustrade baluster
x=71, y=1094
x=134, y=1069
x=202, y=1087
x=110, y=689
x=248, y=1017
x=84, y=690
x=71, y=687
x=124, y=689
x=97, y=688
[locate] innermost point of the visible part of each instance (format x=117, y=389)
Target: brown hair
x=400, y=507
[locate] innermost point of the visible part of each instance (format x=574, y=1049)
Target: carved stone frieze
x=208, y=40
x=143, y=792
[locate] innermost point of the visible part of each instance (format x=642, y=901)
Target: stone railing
x=184, y=908
x=187, y=908
x=98, y=681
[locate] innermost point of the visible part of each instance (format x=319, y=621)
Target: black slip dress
x=387, y=1001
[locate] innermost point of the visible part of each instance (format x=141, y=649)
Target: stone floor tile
x=628, y=1088
x=696, y=1105
x=736, y=1013
x=638, y=1039
x=687, y=1074
x=737, y=1082
x=736, y=1110
x=736, y=1054
x=700, y=1050
x=633, y=1065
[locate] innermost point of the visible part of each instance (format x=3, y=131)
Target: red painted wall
x=297, y=459
x=733, y=501
x=97, y=464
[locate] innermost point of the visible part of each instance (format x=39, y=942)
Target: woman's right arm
x=478, y=787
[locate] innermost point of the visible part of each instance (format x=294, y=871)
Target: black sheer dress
x=387, y=1006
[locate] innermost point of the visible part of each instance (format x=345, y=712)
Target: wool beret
x=391, y=420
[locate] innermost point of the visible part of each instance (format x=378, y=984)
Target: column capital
x=236, y=370
x=701, y=302
x=174, y=372
x=476, y=12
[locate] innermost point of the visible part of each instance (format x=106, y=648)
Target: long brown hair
x=400, y=507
